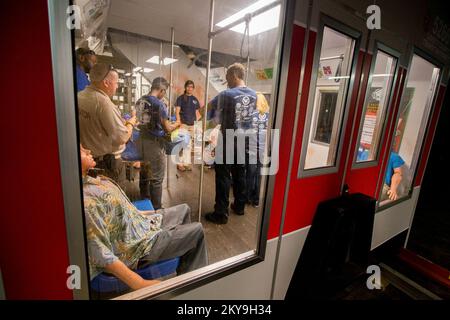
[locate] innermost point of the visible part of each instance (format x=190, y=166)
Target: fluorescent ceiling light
x=166, y=61
x=148, y=70
x=342, y=77
x=382, y=75
x=137, y=69
x=263, y=22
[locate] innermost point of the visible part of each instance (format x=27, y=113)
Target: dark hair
x=159, y=84
x=80, y=52
x=186, y=84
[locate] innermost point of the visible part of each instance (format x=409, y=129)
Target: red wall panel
x=306, y=193
x=33, y=244
x=295, y=63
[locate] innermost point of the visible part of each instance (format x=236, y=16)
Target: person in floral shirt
x=120, y=236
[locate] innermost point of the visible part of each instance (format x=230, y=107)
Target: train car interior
x=144, y=41
x=337, y=124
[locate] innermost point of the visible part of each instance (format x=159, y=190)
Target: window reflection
x=329, y=98
x=415, y=109
x=375, y=107
x=145, y=148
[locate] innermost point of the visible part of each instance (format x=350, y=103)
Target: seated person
x=120, y=237
x=393, y=177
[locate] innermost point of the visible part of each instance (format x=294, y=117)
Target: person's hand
x=393, y=195
x=146, y=283
x=133, y=119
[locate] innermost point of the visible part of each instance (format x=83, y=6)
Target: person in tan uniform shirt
x=102, y=128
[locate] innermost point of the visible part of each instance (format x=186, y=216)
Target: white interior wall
x=254, y=282
x=317, y=153
x=416, y=113
x=394, y=220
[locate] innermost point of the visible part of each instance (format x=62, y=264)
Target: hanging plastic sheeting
x=94, y=15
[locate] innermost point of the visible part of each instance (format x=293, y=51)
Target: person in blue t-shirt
x=393, y=176
x=231, y=109
x=86, y=59
x=154, y=123
x=256, y=150
x=187, y=112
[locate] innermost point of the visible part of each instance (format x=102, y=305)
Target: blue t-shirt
x=234, y=108
x=188, y=105
x=151, y=112
x=82, y=79
x=395, y=161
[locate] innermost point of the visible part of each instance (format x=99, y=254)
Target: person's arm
x=177, y=113
x=114, y=125
x=169, y=127
x=395, y=182
x=147, y=212
x=132, y=279
x=130, y=123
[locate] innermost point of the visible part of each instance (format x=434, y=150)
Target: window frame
x=63, y=61
x=423, y=132
x=378, y=46
x=319, y=91
x=356, y=35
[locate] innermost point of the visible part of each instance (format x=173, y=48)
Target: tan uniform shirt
x=102, y=128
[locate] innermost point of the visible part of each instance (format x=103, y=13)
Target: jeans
x=154, y=157
x=179, y=238
x=253, y=179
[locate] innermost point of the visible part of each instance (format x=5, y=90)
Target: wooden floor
x=223, y=241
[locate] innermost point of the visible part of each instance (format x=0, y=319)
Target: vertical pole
x=170, y=94
x=208, y=69
x=171, y=72
x=247, y=72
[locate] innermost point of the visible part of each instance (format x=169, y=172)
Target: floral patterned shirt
x=115, y=229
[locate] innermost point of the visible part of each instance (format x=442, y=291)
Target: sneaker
x=239, y=213
x=216, y=218
x=255, y=204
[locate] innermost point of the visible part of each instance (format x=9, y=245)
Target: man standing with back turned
x=233, y=109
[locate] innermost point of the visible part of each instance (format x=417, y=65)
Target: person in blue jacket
x=86, y=59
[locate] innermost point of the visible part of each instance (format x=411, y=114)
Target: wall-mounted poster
x=370, y=118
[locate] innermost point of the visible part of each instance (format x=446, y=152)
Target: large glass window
x=415, y=109
x=328, y=99
x=376, y=104
x=165, y=158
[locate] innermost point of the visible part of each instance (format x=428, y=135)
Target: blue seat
x=144, y=205
x=105, y=283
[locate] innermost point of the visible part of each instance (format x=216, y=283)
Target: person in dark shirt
x=154, y=123
x=232, y=109
x=187, y=112
x=86, y=59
